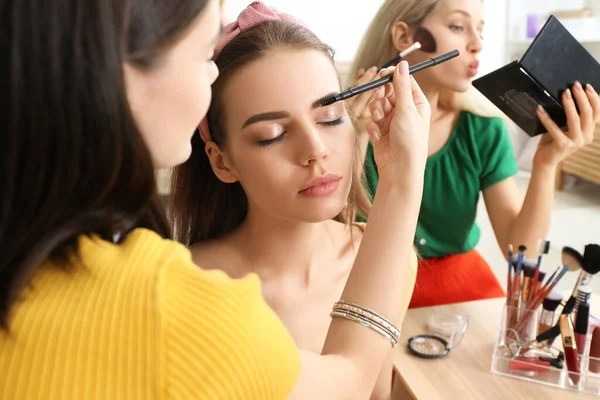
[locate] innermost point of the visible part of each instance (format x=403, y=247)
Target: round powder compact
x=428, y=346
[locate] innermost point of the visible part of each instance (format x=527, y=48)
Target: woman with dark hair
x=95, y=301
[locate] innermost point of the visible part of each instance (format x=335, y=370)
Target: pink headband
x=255, y=14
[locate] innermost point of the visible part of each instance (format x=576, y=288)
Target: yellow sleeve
x=220, y=340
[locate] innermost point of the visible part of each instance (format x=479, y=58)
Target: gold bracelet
x=367, y=323
x=368, y=314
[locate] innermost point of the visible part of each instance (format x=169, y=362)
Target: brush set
x=527, y=328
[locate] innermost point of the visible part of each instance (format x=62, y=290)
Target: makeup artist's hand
x=359, y=105
x=399, y=127
x=559, y=144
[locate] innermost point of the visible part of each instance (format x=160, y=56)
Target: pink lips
x=321, y=186
x=473, y=68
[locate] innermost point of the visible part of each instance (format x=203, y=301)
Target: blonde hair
x=377, y=47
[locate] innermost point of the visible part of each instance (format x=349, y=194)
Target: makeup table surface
x=465, y=372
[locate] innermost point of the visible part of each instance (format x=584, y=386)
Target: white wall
x=342, y=23
x=339, y=23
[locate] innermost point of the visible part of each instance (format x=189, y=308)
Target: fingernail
x=375, y=135
x=541, y=110
x=403, y=67
x=373, y=69
x=376, y=92
x=578, y=86
x=590, y=88
x=377, y=115
x=568, y=94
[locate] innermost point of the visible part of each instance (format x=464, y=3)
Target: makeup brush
x=572, y=258
x=516, y=289
x=528, y=272
x=590, y=265
x=537, y=300
x=509, y=276
x=584, y=293
x=538, y=283
x=394, y=61
x=549, y=306
x=388, y=78
x=426, y=42
x=543, y=248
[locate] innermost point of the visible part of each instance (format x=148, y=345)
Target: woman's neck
x=274, y=247
x=433, y=94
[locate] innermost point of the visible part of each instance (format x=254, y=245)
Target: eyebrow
x=274, y=115
x=267, y=116
x=466, y=14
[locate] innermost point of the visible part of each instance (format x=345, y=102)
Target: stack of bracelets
x=368, y=318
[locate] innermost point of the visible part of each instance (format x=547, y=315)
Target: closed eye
x=268, y=142
x=335, y=122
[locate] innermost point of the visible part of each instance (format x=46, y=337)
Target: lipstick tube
x=581, y=327
x=570, y=348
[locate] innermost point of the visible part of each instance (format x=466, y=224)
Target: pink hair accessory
x=255, y=14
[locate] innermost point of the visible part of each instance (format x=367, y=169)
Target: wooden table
x=464, y=373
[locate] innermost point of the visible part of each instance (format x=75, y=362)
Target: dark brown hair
x=203, y=207
x=72, y=160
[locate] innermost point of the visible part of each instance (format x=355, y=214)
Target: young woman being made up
x=468, y=153
x=272, y=186
x=94, y=302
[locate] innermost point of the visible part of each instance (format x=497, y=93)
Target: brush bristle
x=591, y=259
x=541, y=276
x=528, y=262
x=327, y=102
x=572, y=258
x=425, y=37
x=552, y=301
x=544, y=247
x=522, y=249
x=528, y=271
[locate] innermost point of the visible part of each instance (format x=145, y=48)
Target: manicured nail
x=590, y=88
x=541, y=110
x=578, y=85
x=375, y=135
x=568, y=94
x=404, y=67
x=377, y=115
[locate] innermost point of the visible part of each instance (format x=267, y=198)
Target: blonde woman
x=468, y=153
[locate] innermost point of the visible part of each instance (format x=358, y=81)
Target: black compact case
x=551, y=64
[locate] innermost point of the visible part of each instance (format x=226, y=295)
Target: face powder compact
x=428, y=346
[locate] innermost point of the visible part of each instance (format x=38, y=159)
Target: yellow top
x=139, y=320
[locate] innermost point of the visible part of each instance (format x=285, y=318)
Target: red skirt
x=454, y=279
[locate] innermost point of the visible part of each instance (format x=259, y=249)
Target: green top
x=478, y=154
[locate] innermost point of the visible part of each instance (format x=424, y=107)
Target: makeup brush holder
x=540, y=364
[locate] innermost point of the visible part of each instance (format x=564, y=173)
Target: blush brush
x=423, y=40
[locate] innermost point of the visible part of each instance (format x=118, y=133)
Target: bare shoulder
x=217, y=255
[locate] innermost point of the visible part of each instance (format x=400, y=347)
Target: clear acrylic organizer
x=510, y=360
